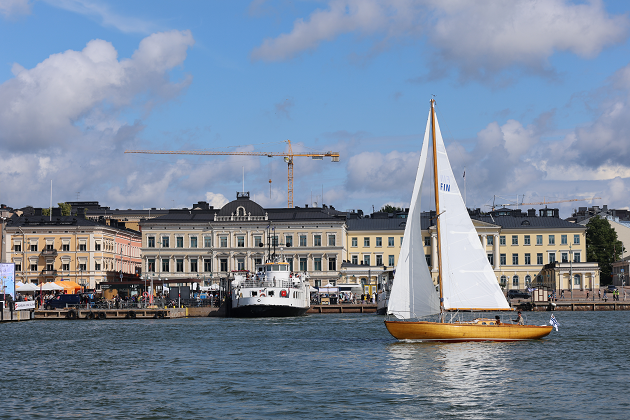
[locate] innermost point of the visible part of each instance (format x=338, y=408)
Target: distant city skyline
x=532, y=99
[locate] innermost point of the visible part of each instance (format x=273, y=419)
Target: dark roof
x=526, y=222
x=44, y=221
x=242, y=200
x=386, y=224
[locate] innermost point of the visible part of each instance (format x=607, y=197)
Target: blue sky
x=532, y=99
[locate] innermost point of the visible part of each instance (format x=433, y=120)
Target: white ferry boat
x=272, y=291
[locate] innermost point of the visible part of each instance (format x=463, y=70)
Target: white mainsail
x=413, y=293
x=468, y=280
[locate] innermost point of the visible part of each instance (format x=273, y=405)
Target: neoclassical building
x=205, y=244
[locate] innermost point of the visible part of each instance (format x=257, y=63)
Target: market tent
x=329, y=288
x=50, y=286
x=26, y=287
x=69, y=286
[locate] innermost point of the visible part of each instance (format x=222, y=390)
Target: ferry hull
x=447, y=332
x=264, y=311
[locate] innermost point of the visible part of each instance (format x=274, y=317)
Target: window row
x=551, y=239
x=577, y=281
x=564, y=257
x=204, y=265
x=65, y=246
x=239, y=241
x=378, y=241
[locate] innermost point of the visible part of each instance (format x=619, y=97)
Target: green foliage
x=602, y=246
x=390, y=209
x=65, y=208
x=45, y=212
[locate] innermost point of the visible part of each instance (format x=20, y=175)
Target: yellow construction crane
x=544, y=202
x=288, y=158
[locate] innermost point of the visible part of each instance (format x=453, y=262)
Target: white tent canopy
x=50, y=286
x=329, y=288
x=28, y=287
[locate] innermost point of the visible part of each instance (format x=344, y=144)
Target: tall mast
x=437, y=206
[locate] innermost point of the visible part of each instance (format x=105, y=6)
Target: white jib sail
x=468, y=280
x=413, y=293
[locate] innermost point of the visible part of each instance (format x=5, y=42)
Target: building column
x=434, y=255
x=495, y=248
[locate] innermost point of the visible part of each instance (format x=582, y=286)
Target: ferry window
x=526, y=240
x=366, y=241
x=366, y=260
x=390, y=260
x=284, y=268
x=355, y=259
x=332, y=264
x=539, y=258
x=379, y=260
x=193, y=265
x=576, y=239
x=331, y=240
x=502, y=240
x=193, y=242
x=165, y=266
x=528, y=259
x=576, y=257
x=276, y=267
x=490, y=240
x=390, y=241
x=514, y=239
x=207, y=241
x=303, y=266
x=288, y=240
x=355, y=242
x=302, y=240
x=317, y=264
x=515, y=281
x=223, y=242
x=317, y=240
x=379, y=241
x=268, y=268
x=240, y=241
x=552, y=239
x=563, y=240
x=502, y=259
x=207, y=265
x=179, y=265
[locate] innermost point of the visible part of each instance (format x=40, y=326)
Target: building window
x=66, y=267
x=552, y=239
x=576, y=257
x=193, y=242
x=274, y=240
x=503, y=280
x=528, y=280
x=151, y=265
x=528, y=259
x=224, y=264
x=193, y=265
x=317, y=264
x=390, y=260
x=83, y=267
x=563, y=240
x=379, y=241
x=50, y=267
x=502, y=240
x=390, y=241
x=33, y=267
x=366, y=260
x=240, y=241
x=515, y=281
x=355, y=259
x=427, y=241
x=577, y=280
x=427, y=258
x=491, y=258
x=538, y=239
x=66, y=247
x=302, y=240
x=179, y=241
x=258, y=261
x=166, y=242
x=332, y=264
x=331, y=240
x=165, y=266
x=82, y=247
x=355, y=242
x=207, y=265
x=34, y=247
x=514, y=259
x=552, y=257
x=502, y=259
x=576, y=239
x=526, y=240
x=379, y=260
x=401, y=240
x=539, y=258
x=366, y=241
x=317, y=240
x=97, y=266
x=240, y=264
x=207, y=241
x=223, y=242
x=17, y=247
x=303, y=265
x=565, y=257
x=490, y=239
x=288, y=240
x=97, y=246
x=514, y=239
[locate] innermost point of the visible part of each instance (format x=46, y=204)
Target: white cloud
x=477, y=38
x=11, y=8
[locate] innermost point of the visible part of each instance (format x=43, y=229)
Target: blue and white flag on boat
x=553, y=322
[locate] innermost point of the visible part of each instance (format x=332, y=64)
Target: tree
x=387, y=208
x=602, y=246
x=66, y=208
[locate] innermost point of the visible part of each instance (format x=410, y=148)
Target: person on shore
x=599, y=294
x=562, y=294
x=519, y=319
x=587, y=295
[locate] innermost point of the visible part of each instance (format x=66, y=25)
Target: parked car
x=517, y=294
x=62, y=301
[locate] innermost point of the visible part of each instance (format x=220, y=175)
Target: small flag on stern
x=553, y=322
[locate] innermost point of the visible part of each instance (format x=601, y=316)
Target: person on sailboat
x=498, y=320
x=519, y=319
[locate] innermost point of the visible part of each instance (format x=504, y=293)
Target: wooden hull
x=457, y=332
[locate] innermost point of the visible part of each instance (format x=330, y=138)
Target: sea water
x=317, y=366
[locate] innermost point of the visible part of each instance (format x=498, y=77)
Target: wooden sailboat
x=466, y=281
